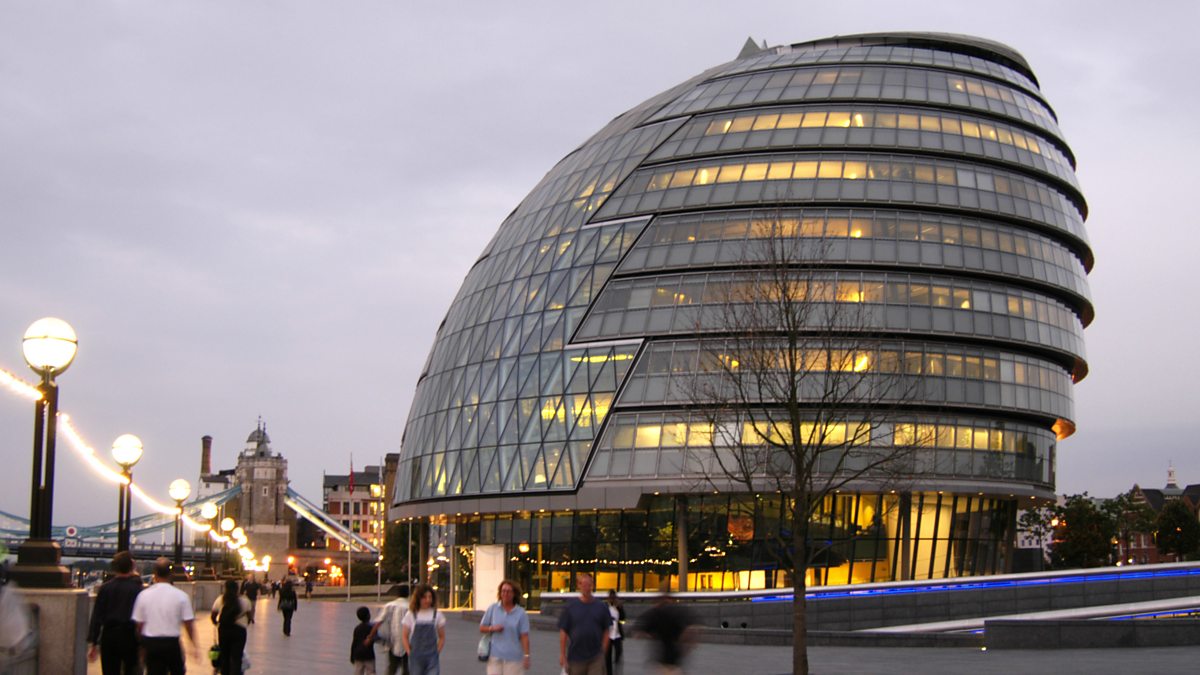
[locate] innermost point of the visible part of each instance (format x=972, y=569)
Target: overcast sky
x=265, y=208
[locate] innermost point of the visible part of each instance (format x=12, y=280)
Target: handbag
x=383, y=635
x=484, y=651
x=214, y=652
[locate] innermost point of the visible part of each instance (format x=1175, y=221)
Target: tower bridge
x=256, y=494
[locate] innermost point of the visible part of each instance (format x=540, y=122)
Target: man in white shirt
x=159, y=611
x=388, y=621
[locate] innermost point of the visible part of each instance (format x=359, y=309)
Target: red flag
x=351, y=474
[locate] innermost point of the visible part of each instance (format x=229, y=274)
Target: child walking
x=362, y=649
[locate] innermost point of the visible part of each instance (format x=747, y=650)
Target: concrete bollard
x=62, y=617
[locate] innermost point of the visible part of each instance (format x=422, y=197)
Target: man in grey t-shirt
x=583, y=631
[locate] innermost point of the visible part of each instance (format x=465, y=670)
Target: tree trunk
x=681, y=541
x=799, y=585
x=800, y=624
x=904, y=525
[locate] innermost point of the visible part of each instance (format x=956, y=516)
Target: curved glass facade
x=908, y=85
x=853, y=178
x=553, y=416
x=864, y=237
x=866, y=126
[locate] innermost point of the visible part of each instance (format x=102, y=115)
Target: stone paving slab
x=321, y=629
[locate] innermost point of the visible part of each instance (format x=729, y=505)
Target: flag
x=352, y=473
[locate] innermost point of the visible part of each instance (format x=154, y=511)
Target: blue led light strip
x=943, y=587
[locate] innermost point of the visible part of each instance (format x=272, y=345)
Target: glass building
x=548, y=419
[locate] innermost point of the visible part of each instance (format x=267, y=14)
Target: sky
x=265, y=208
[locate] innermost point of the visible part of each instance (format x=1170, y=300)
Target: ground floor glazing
x=734, y=543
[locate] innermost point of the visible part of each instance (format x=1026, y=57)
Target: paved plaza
x=320, y=644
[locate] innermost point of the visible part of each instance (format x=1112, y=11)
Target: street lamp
x=209, y=513
x=227, y=525
x=179, y=491
x=49, y=347
x=126, y=451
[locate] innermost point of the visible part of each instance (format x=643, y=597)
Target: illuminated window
x=648, y=436
x=805, y=170
x=756, y=171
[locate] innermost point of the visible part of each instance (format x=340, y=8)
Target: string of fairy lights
x=235, y=540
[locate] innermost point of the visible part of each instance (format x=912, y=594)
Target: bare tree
x=798, y=390
x=1039, y=522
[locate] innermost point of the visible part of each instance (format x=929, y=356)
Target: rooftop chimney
x=206, y=455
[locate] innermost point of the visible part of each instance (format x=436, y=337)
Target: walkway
x=320, y=644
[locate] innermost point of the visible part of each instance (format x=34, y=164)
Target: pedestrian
x=251, y=587
x=508, y=625
x=17, y=635
x=112, y=632
x=159, y=612
x=274, y=587
x=288, y=605
x=231, y=615
x=616, y=634
x=388, y=627
x=669, y=624
x=423, y=632
x=583, y=631
x=362, y=648
x=308, y=584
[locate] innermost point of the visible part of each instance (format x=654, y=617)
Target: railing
x=80, y=548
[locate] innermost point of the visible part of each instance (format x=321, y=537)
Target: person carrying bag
x=386, y=633
x=507, y=626
x=231, y=615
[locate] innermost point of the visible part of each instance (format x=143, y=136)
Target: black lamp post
x=126, y=451
x=179, y=491
x=49, y=347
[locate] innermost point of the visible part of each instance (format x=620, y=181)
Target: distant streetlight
x=227, y=525
x=179, y=490
x=49, y=346
x=126, y=452
x=209, y=513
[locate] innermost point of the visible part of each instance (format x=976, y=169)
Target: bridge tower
x=262, y=475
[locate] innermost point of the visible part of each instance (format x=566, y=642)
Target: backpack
x=287, y=604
